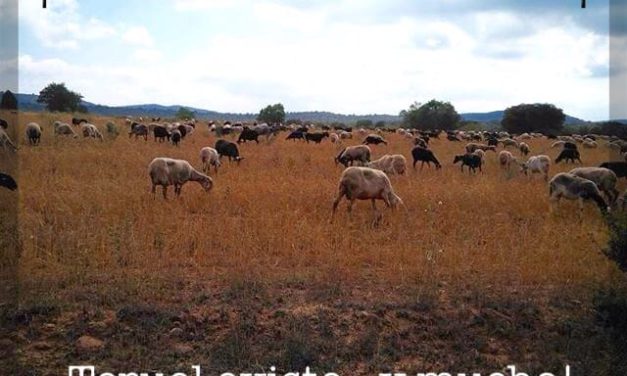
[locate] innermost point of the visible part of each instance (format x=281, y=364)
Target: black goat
x=316, y=137
x=424, y=155
x=473, y=162
x=374, y=139
x=229, y=149
x=568, y=154
x=296, y=135
x=161, y=133
x=248, y=135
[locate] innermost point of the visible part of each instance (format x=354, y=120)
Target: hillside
x=28, y=102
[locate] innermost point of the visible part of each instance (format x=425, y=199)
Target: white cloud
x=138, y=35
x=147, y=55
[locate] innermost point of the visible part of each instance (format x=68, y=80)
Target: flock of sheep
x=363, y=178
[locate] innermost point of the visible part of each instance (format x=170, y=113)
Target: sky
x=345, y=56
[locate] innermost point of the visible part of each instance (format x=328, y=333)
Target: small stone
x=182, y=349
x=89, y=344
x=176, y=332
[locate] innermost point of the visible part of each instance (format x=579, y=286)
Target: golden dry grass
x=91, y=231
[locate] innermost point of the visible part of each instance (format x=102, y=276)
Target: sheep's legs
x=165, y=192
x=336, y=203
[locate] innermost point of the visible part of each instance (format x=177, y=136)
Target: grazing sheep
x=471, y=160
x=506, y=160
x=112, y=129
x=176, y=137
x=537, y=163
x=619, y=168
x=316, y=137
x=351, y=154
x=390, y=164
x=604, y=178
x=346, y=135
x=493, y=141
x=168, y=171
x=209, y=157
x=364, y=183
x=138, y=130
x=557, y=143
x=471, y=147
x=508, y=142
x=524, y=148
x=161, y=133
x=229, y=149
x=334, y=138
x=570, y=145
x=8, y=182
x=77, y=121
x=374, y=139
x=64, y=129
x=297, y=135
x=248, y=135
x=590, y=144
x=424, y=155
x=573, y=187
x=33, y=133
x=481, y=154
x=568, y=154
x=90, y=130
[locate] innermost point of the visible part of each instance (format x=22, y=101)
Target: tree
x=8, y=102
x=431, y=115
x=364, y=123
x=185, y=114
x=272, y=114
x=536, y=117
x=58, y=98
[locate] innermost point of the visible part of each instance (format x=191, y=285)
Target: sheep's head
x=458, y=158
x=207, y=183
x=524, y=167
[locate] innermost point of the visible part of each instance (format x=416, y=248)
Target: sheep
x=573, y=187
x=557, y=143
x=481, y=154
x=590, y=144
x=524, y=148
x=537, y=163
x=390, y=164
x=351, y=154
x=138, y=130
x=168, y=171
x=492, y=141
x=619, y=168
x=90, y=130
x=419, y=142
x=77, y=121
x=229, y=149
x=604, y=178
x=297, y=135
x=506, y=160
x=316, y=137
x=33, y=133
x=346, y=135
x=570, y=145
x=452, y=137
x=209, y=157
x=424, y=155
x=161, y=133
x=64, y=129
x=112, y=129
x=8, y=182
x=568, y=154
x=374, y=139
x=471, y=147
x=509, y=142
x=471, y=160
x=365, y=183
x=248, y=135
x=175, y=137
x=334, y=138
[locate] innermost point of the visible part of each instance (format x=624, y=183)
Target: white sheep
x=558, y=144
x=390, y=164
x=168, y=171
x=346, y=135
x=209, y=157
x=506, y=160
x=365, y=183
x=537, y=164
x=90, y=130
x=33, y=133
x=64, y=129
x=481, y=154
x=334, y=137
x=590, y=144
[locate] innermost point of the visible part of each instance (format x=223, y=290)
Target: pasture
x=475, y=275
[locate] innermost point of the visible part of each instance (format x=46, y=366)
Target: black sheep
x=248, y=135
x=316, y=137
x=619, y=168
x=183, y=130
x=176, y=137
x=78, y=121
x=229, y=149
x=296, y=135
x=7, y=181
x=161, y=133
x=568, y=154
x=570, y=145
x=374, y=139
x=473, y=162
x=424, y=155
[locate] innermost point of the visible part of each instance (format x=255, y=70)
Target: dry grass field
x=477, y=274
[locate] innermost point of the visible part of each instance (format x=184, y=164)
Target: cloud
x=138, y=35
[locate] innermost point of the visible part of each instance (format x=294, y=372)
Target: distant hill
x=28, y=102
